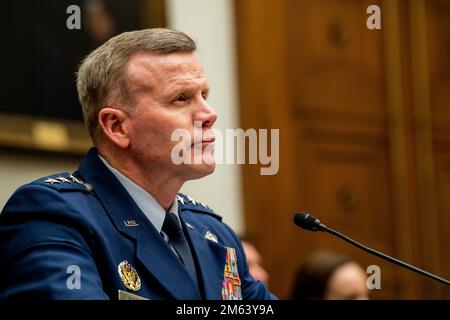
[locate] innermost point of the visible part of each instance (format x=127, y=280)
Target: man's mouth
x=204, y=141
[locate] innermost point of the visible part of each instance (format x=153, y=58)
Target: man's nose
x=206, y=115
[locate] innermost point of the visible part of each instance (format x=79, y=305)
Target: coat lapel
x=152, y=251
x=210, y=255
x=115, y=199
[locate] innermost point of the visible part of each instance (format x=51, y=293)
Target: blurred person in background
x=325, y=275
x=254, y=261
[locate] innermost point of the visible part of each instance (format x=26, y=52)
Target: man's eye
x=205, y=95
x=181, y=98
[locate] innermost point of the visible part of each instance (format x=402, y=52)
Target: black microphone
x=311, y=223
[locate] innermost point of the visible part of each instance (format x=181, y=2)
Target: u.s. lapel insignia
x=211, y=236
x=129, y=276
x=231, y=285
x=130, y=223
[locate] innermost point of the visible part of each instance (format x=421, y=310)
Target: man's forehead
x=147, y=67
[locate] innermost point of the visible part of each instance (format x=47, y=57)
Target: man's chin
x=197, y=171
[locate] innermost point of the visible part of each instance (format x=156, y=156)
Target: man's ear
x=113, y=124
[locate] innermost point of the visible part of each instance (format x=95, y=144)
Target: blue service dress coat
x=81, y=236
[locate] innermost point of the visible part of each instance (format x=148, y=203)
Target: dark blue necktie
x=172, y=228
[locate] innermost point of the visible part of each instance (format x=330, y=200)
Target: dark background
x=41, y=55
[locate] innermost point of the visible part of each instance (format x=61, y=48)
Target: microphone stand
x=383, y=256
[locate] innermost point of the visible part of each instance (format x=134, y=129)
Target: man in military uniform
x=117, y=227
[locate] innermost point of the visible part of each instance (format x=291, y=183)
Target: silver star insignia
x=52, y=181
x=62, y=179
x=204, y=205
x=192, y=200
x=180, y=199
x=74, y=179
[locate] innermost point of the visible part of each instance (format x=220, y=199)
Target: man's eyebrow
x=189, y=88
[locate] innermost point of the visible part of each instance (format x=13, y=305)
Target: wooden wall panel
x=438, y=34
x=438, y=50
x=330, y=51
x=355, y=146
x=336, y=79
x=270, y=201
x=443, y=186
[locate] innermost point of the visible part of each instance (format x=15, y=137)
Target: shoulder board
x=64, y=181
x=187, y=203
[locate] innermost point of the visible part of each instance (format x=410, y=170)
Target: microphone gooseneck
x=309, y=222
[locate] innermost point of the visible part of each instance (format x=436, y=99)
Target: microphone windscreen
x=306, y=221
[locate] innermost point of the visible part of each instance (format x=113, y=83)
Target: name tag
x=123, y=295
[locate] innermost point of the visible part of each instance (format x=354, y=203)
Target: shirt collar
x=144, y=200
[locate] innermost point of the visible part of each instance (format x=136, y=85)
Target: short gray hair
x=101, y=78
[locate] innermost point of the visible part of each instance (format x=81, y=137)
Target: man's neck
x=155, y=181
